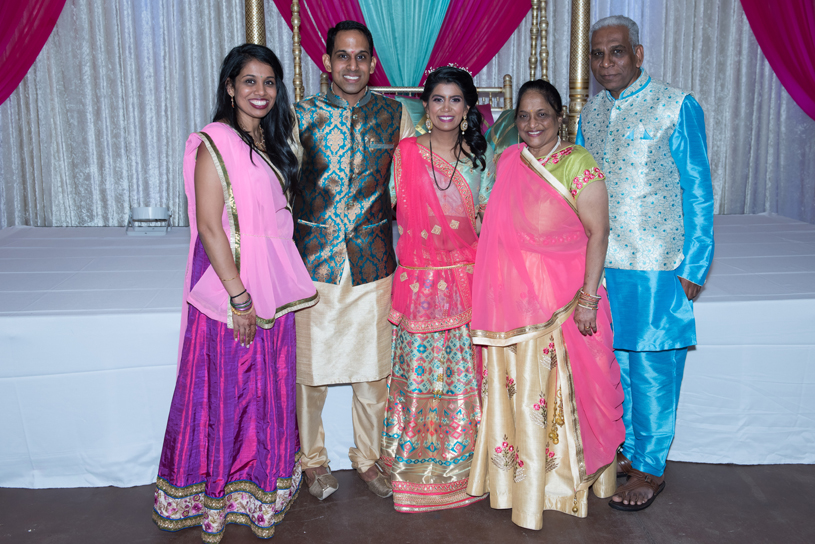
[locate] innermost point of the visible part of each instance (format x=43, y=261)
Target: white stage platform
x=89, y=321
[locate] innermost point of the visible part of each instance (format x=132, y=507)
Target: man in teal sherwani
x=343, y=231
x=649, y=139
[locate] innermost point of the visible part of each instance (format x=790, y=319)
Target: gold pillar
x=533, y=35
x=507, y=92
x=544, y=55
x=297, y=52
x=255, y=22
x=578, y=63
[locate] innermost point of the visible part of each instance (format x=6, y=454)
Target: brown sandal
x=624, y=467
x=637, y=480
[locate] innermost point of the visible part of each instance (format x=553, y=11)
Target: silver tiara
x=451, y=65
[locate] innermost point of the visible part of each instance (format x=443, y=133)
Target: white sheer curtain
x=99, y=123
x=761, y=144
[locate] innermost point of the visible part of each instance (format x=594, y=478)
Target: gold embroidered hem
x=411, y=497
x=346, y=338
x=430, y=325
x=287, y=309
x=243, y=503
x=528, y=454
x=431, y=420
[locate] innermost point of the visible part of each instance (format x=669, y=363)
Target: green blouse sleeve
x=581, y=170
x=487, y=180
x=392, y=181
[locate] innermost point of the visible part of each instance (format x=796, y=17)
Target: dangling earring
x=429, y=124
x=233, y=102
x=463, y=125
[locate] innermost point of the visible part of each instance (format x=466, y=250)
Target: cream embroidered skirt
x=526, y=454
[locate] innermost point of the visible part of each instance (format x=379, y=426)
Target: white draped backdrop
x=99, y=123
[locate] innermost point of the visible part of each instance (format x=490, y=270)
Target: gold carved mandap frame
x=578, y=58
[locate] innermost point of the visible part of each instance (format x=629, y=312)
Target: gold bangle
x=230, y=279
x=245, y=312
x=585, y=294
x=588, y=307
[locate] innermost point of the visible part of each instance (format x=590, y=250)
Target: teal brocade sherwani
x=343, y=209
x=343, y=231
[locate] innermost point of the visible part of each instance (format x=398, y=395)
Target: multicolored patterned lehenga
x=434, y=405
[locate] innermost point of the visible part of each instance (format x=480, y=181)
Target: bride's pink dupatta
x=432, y=290
x=530, y=266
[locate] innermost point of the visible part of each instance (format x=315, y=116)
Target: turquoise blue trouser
x=651, y=382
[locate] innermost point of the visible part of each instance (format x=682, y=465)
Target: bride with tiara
x=440, y=184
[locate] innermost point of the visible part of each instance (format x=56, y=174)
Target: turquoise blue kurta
x=650, y=309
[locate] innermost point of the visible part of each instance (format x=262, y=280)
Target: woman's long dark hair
x=276, y=125
x=475, y=140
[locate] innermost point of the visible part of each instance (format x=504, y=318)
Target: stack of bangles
x=241, y=308
x=587, y=301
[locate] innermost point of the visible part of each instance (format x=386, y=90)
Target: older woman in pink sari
x=552, y=400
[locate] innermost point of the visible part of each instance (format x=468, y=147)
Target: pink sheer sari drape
x=432, y=290
x=529, y=269
x=532, y=257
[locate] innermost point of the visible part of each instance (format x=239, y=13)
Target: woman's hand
x=244, y=327
x=586, y=320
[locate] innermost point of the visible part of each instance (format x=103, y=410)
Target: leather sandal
x=623, y=465
x=637, y=480
x=323, y=485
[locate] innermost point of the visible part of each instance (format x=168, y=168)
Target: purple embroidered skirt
x=231, y=450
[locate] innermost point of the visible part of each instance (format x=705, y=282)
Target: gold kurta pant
x=526, y=455
x=345, y=338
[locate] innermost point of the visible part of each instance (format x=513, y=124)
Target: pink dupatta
x=432, y=290
x=529, y=269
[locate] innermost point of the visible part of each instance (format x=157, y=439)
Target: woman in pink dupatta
x=231, y=450
x=433, y=404
x=552, y=399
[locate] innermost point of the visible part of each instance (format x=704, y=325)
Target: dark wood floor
x=701, y=503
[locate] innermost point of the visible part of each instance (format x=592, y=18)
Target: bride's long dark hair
x=276, y=125
x=472, y=136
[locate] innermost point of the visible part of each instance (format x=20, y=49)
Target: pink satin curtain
x=317, y=17
x=785, y=31
x=474, y=31
x=24, y=28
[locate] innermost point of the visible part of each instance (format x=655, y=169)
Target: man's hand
x=691, y=289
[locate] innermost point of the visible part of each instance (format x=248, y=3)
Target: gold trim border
x=235, y=232
x=229, y=200
x=564, y=365
x=522, y=334
x=545, y=174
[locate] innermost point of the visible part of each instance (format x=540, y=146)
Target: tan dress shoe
x=381, y=486
x=323, y=485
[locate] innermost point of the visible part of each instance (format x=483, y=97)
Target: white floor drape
x=89, y=335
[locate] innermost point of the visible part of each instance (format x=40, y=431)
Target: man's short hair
x=343, y=26
x=618, y=20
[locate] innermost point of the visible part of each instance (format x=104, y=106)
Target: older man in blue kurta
x=649, y=139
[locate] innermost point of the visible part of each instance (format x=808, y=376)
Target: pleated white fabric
x=761, y=144
x=98, y=125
